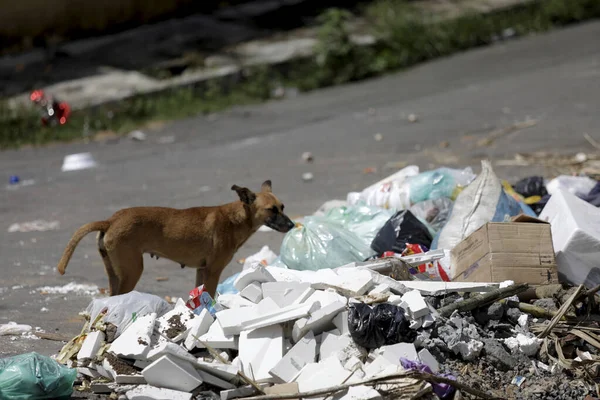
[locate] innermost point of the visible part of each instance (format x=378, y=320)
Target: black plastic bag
x=593, y=197
x=531, y=186
x=384, y=324
x=403, y=227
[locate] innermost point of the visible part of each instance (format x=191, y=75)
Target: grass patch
x=405, y=36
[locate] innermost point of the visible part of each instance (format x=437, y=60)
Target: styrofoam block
x=303, y=352
x=285, y=293
x=232, y=320
x=107, y=370
x=357, y=281
x=360, y=392
x=428, y=359
x=147, y=392
x=438, y=288
x=179, y=303
x=252, y=292
x=172, y=373
x=396, y=287
x=92, y=373
x=229, y=300
x=395, y=299
x=247, y=276
x=353, y=363
x=327, y=373
x=215, y=381
x=382, y=288
x=380, y=366
x=318, y=322
x=326, y=297
x=394, y=352
x=130, y=379
x=341, y=323
x=135, y=341
x=244, y=391
x=200, y=325
x=285, y=314
x=414, y=303
x=575, y=226
x=217, y=339
x=332, y=344
x=172, y=349
x=91, y=345
x=416, y=323
x=260, y=350
x=141, y=364
x=428, y=321
x=102, y=371
x=167, y=324
x=227, y=372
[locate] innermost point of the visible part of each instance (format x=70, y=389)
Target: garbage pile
x=442, y=284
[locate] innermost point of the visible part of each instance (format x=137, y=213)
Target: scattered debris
x=138, y=136
x=378, y=137
x=413, y=118
x=307, y=176
x=72, y=287
x=79, y=161
x=38, y=225
x=307, y=157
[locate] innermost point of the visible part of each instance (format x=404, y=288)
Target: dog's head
x=265, y=207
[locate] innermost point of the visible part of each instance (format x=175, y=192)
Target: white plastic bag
x=577, y=185
x=483, y=201
x=390, y=193
x=265, y=254
x=124, y=308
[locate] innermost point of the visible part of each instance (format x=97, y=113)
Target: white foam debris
x=72, y=287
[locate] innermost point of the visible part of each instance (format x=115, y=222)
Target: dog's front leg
x=200, y=273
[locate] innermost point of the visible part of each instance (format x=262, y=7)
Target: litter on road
x=437, y=284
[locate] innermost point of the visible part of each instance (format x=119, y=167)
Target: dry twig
x=561, y=311
x=480, y=301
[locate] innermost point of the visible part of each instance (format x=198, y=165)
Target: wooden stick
x=561, y=311
x=52, y=336
x=480, y=301
x=592, y=141
x=536, y=311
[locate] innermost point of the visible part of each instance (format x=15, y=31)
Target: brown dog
x=205, y=238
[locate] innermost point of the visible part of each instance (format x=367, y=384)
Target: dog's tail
x=77, y=236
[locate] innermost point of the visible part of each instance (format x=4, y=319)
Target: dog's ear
x=246, y=195
x=266, y=186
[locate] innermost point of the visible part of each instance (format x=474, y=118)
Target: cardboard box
x=520, y=250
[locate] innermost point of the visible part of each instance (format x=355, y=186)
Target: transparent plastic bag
x=441, y=182
x=362, y=220
x=32, y=376
x=433, y=213
x=389, y=193
x=124, y=308
x=322, y=244
x=227, y=287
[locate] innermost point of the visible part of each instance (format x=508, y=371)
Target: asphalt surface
x=553, y=78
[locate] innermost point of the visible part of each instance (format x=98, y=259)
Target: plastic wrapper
x=389, y=193
x=32, y=376
x=428, y=271
x=442, y=390
x=227, y=287
x=483, y=201
x=363, y=220
x=433, y=213
x=399, y=230
x=384, y=324
x=531, y=186
x=441, y=182
x=321, y=244
x=577, y=185
x=200, y=299
x=264, y=257
x=124, y=308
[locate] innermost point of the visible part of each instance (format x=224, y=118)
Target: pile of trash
x=440, y=284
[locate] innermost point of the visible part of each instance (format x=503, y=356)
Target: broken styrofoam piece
x=285, y=314
x=332, y=344
x=360, y=392
x=438, y=288
x=92, y=373
x=285, y=293
x=382, y=288
x=172, y=373
x=260, y=350
x=326, y=297
x=103, y=371
x=135, y=341
x=229, y=300
x=92, y=343
x=215, y=381
x=147, y=392
x=416, y=324
x=199, y=326
x=141, y=364
x=318, y=322
x=137, y=379
x=381, y=366
x=232, y=320
x=341, y=323
x=227, y=372
x=303, y=352
x=528, y=345
x=324, y=374
x=428, y=359
x=395, y=299
x=252, y=292
x=247, y=276
x=172, y=349
x=393, y=353
x=168, y=323
x=414, y=303
x=355, y=282
x=304, y=296
x=217, y=339
x=428, y=321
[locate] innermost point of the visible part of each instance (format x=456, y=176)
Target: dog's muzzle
x=280, y=223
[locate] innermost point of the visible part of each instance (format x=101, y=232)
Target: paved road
x=554, y=78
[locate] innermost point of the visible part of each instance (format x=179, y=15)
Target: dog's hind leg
x=129, y=265
x=113, y=279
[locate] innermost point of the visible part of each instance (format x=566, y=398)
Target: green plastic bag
x=361, y=219
x=322, y=244
x=32, y=376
